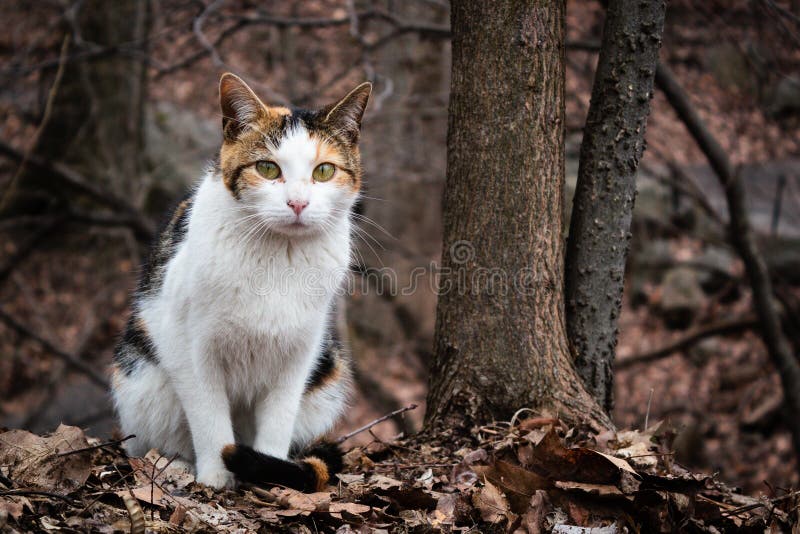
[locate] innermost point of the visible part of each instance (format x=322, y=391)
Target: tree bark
x=613, y=144
x=500, y=341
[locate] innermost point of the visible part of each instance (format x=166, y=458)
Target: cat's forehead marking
x=296, y=153
x=297, y=143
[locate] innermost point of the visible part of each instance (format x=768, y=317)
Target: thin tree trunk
x=741, y=235
x=613, y=143
x=500, y=341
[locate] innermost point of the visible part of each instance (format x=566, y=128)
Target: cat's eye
x=268, y=170
x=323, y=172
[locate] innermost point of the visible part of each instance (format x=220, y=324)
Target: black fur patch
x=251, y=466
x=134, y=347
x=328, y=452
x=325, y=366
x=170, y=235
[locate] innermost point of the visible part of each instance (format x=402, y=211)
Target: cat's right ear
x=239, y=104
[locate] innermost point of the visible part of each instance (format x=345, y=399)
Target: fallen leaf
x=350, y=479
x=602, y=490
x=518, y=483
x=36, y=461
x=11, y=507
x=534, y=518
x=297, y=500
x=349, y=507
x=150, y=494
x=384, y=482
x=491, y=503
x=478, y=455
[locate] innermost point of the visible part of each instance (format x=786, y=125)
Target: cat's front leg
x=275, y=415
x=201, y=388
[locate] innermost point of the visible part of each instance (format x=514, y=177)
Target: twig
x=716, y=329
x=647, y=414
x=375, y=422
x=197, y=28
x=95, y=447
x=24, y=491
x=68, y=358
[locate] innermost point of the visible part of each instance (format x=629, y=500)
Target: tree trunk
x=97, y=123
x=500, y=341
x=613, y=143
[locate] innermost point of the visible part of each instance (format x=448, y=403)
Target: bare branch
x=70, y=359
x=142, y=227
x=732, y=326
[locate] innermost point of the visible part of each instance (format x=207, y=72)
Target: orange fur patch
x=228, y=451
x=320, y=470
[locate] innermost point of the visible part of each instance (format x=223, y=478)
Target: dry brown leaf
x=533, y=520
x=384, y=482
x=349, y=507
x=297, y=500
x=34, y=461
x=602, y=490
x=150, y=494
x=478, y=455
x=12, y=507
x=619, y=462
x=491, y=503
x=351, y=479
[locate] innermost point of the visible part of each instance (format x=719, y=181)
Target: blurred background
x=108, y=112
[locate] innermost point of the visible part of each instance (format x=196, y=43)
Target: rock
x=647, y=261
x=783, y=258
x=785, y=98
x=730, y=66
x=180, y=145
x=681, y=298
x=714, y=267
x=705, y=350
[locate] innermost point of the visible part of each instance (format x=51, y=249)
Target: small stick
x=94, y=447
x=375, y=422
x=647, y=414
x=23, y=491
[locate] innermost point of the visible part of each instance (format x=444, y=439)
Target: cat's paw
x=217, y=478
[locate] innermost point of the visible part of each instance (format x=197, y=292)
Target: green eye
x=268, y=170
x=324, y=172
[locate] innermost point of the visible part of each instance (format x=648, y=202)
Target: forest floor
x=531, y=475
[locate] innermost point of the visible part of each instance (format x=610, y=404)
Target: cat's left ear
x=239, y=105
x=345, y=115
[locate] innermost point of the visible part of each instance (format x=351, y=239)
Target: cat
x=218, y=364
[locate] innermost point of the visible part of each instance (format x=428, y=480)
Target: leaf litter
x=534, y=476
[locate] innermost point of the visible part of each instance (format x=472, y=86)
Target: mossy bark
x=613, y=144
x=500, y=341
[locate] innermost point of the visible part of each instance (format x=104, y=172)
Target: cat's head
x=297, y=171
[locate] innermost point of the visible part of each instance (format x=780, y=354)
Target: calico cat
x=219, y=364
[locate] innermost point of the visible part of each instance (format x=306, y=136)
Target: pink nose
x=298, y=206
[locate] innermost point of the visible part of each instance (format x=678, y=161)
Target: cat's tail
x=313, y=470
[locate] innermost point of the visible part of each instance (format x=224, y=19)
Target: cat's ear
x=239, y=104
x=345, y=115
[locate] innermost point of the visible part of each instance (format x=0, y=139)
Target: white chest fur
x=257, y=303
